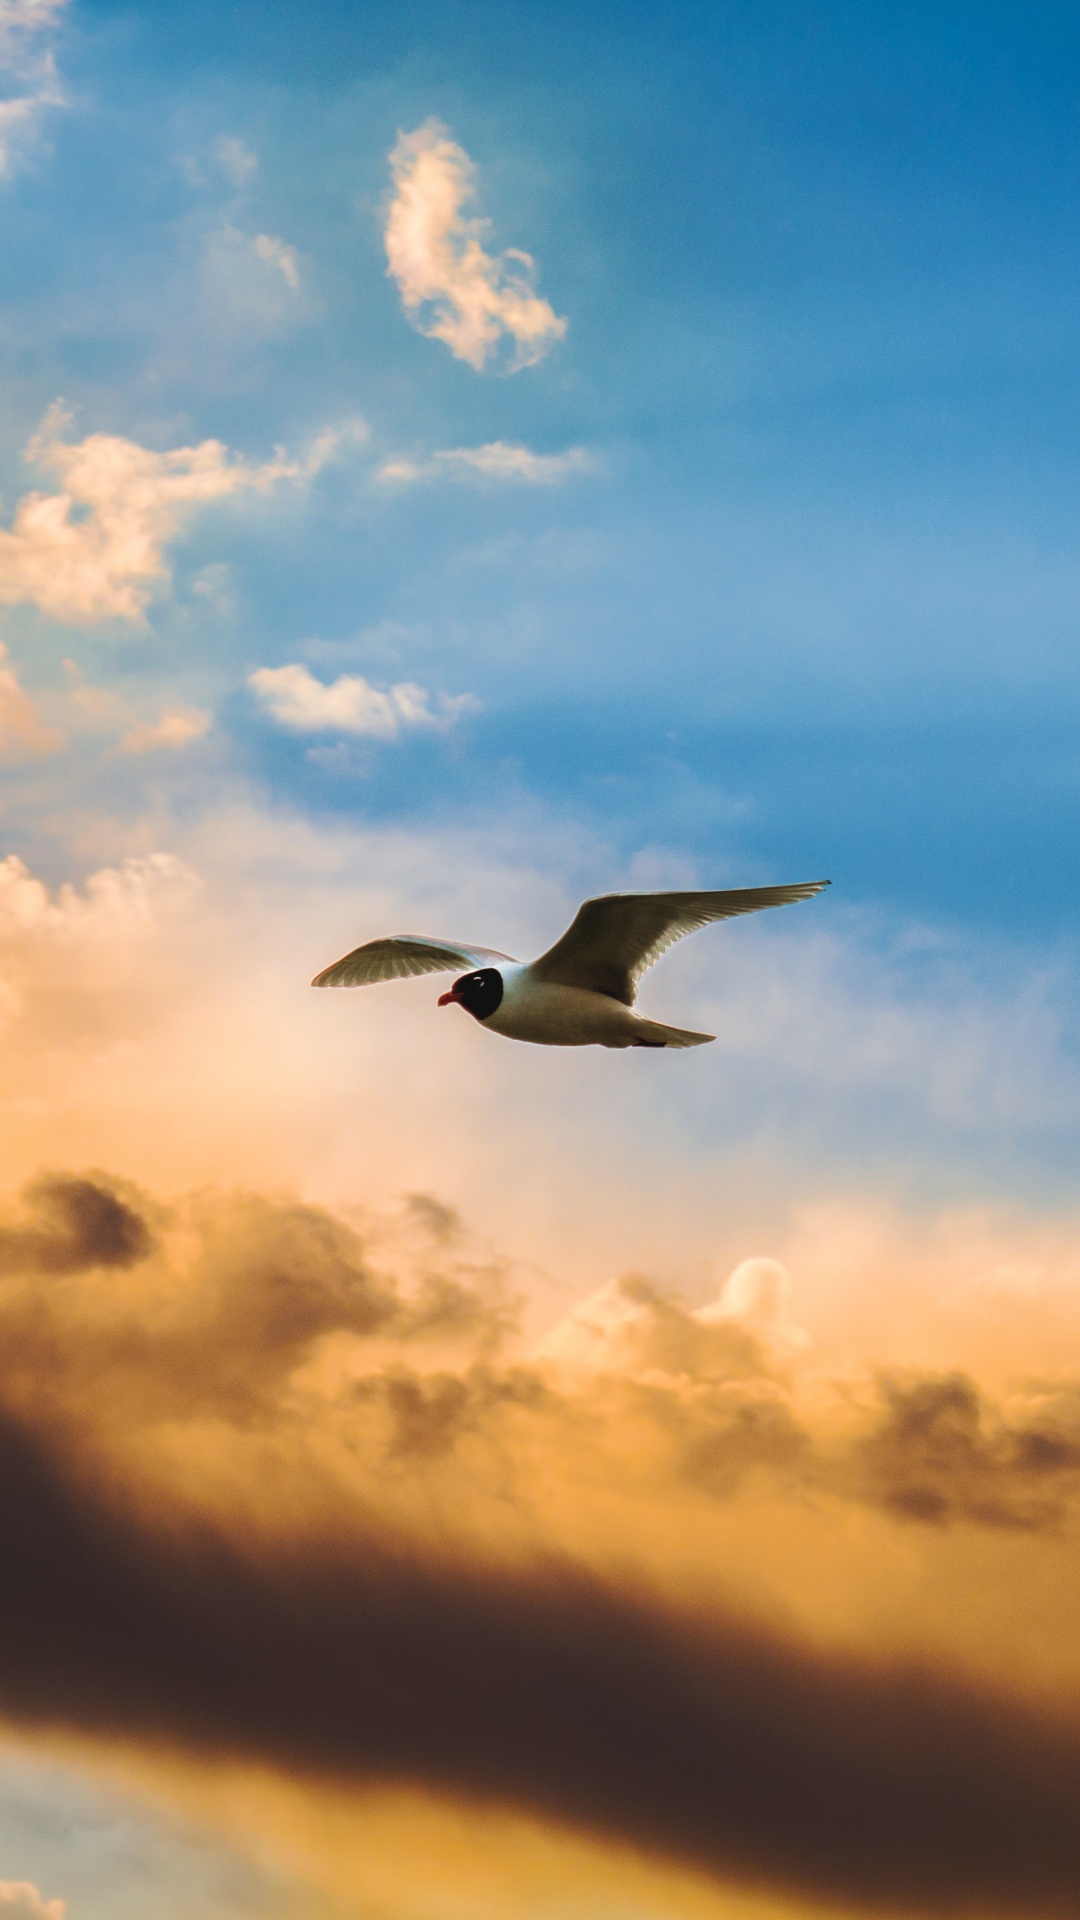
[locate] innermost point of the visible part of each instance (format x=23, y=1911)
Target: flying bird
x=581, y=992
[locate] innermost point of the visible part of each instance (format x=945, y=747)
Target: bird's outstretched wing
x=403, y=955
x=612, y=941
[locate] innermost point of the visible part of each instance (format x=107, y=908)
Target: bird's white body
x=581, y=992
x=555, y=1016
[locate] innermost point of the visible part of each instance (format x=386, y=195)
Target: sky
x=455, y=462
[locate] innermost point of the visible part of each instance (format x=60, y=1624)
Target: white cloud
x=23, y=1898
x=451, y=289
x=21, y=725
x=26, y=57
x=497, y=460
x=350, y=704
x=176, y=728
x=279, y=255
x=95, y=551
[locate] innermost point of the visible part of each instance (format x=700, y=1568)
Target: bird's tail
x=649, y=1033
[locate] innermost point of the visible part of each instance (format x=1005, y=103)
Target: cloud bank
x=240, y=1449
x=451, y=288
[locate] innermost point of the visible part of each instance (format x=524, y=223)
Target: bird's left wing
x=400, y=957
x=613, y=940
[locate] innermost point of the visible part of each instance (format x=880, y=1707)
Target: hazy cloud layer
x=241, y=1449
x=22, y=729
x=96, y=550
x=451, y=288
x=350, y=704
x=177, y=727
x=23, y=1901
x=499, y=460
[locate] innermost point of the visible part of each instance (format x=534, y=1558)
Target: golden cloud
x=289, y=1492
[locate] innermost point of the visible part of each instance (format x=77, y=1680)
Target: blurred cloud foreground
x=503, y=461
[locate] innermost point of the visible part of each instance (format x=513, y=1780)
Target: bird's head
x=479, y=993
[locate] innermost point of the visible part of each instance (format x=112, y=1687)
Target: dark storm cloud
x=71, y=1223
x=940, y=1452
x=706, y=1742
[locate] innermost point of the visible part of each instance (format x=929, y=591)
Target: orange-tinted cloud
x=451, y=287
x=96, y=550
x=22, y=728
x=244, y=1451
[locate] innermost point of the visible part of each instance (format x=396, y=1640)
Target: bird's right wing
x=399, y=958
x=613, y=940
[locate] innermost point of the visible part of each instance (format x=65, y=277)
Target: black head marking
x=480, y=992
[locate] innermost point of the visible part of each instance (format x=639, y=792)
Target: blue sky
x=814, y=604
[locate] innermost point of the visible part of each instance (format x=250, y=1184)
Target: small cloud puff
x=451, y=289
x=350, y=704
x=499, y=460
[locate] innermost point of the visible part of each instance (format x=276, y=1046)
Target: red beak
x=450, y=1000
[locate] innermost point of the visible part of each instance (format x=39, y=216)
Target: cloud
x=240, y=1444
x=238, y=162
x=96, y=550
x=451, y=289
x=280, y=255
x=26, y=59
x=295, y=699
x=498, y=460
x=26, y=1903
x=21, y=725
x=73, y=1224
x=305, y=1399
x=176, y=728
x=107, y=926
x=251, y=287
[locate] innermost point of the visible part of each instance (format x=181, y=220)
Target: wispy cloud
x=96, y=550
x=499, y=460
x=451, y=288
x=280, y=255
x=252, y=284
x=350, y=704
x=236, y=159
x=28, y=77
x=21, y=725
x=176, y=728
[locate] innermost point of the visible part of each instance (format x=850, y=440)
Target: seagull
x=581, y=992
